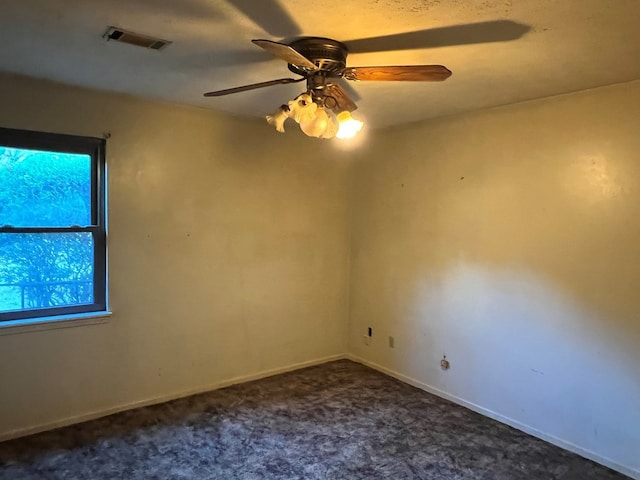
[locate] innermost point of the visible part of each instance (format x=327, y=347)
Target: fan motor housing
x=330, y=56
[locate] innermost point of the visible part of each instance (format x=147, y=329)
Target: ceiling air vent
x=124, y=36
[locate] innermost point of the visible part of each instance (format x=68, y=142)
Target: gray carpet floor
x=339, y=420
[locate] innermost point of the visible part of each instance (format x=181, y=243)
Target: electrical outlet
x=391, y=342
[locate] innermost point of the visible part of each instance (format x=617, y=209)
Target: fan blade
x=410, y=73
x=342, y=100
x=482, y=32
x=270, y=15
x=253, y=86
x=286, y=53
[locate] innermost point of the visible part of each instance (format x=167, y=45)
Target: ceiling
x=500, y=51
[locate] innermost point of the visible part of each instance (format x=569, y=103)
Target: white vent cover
x=132, y=38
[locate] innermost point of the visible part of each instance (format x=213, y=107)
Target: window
x=52, y=225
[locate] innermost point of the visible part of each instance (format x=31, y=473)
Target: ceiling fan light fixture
x=348, y=126
x=314, y=120
x=319, y=60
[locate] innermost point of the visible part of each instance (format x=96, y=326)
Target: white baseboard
x=626, y=470
x=163, y=398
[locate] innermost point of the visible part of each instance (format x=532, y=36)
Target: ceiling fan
x=320, y=61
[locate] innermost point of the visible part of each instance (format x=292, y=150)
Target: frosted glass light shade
x=316, y=126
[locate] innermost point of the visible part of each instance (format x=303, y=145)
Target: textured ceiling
x=500, y=51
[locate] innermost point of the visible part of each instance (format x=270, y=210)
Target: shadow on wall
x=515, y=254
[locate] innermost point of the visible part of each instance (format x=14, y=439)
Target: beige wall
x=505, y=239
x=509, y=240
x=227, y=254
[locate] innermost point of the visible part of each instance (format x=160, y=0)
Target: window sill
x=12, y=327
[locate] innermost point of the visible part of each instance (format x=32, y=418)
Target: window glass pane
x=44, y=270
x=44, y=189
